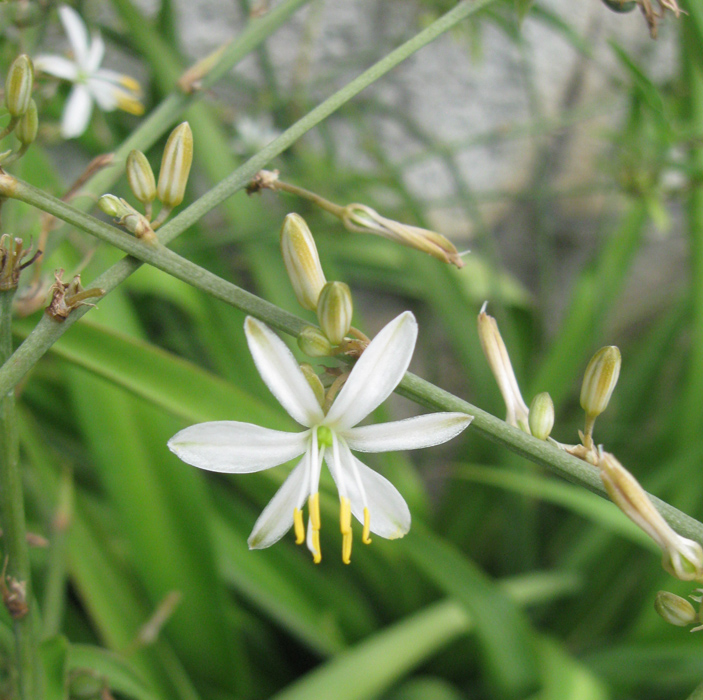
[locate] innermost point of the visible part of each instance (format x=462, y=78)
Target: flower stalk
x=15, y=584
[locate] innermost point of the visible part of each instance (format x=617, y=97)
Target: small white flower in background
x=253, y=133
x=234, y=447
x=109, y=89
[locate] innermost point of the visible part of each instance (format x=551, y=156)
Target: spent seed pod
x=175, y=166
x=334, y=311
x=302, y=261
x=541, y=416
x=18, y=86
x=141, y=177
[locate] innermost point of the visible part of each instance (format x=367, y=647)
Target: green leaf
x=54, y=652
x=522, y=7
x=503, y=631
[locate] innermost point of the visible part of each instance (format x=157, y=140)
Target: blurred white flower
x=109, y=89
x=234, y=447
x=253, y=133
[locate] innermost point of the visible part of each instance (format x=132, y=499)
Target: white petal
x=57, y=66
x=377, y=372
x=236, y=448
x=76, y=113
x=76, y=31
x=277, y=518
x=279, y=369
x=105, y=93
x=410, y=434
x=96, y=52
x=389, y=513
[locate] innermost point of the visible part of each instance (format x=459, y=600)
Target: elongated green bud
x=334, y=311
x=314, y=382
x=18, y=85
x=302, y=261
x=675, y=609
x=175, y=166
x=600, y=379
x=313, y=342
x=141, y=177
x=541, y=416
x=28, y=125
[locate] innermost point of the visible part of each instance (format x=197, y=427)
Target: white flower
x=109, y=89
x=226, y=446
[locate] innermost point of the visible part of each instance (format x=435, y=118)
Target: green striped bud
x=313, y=342
x=541, y=416
x=28, y=125
x=141, y=177
x=175, y=166
x=18, y=85
x=302, y=261
x=674, y=609
x=334, y=311
x=600, y=379
x=314, y=382
x=112, y=206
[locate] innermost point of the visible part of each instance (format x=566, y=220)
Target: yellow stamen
x=367, y=527
x=314, y=506
x=130, y=83
x=299, y=526
x=346, y=529
x=346, y=547
x=316, y=554
x=129, y=104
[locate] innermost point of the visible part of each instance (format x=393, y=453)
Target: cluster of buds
x=360, y=218
x=13, y=259
x=651, y=15
x=332, y=301
x=170, y=190
x=67, y=297
x=21, y=107
x=681, y=557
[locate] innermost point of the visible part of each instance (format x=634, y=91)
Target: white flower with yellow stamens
x=109, y=89
x=234, y=447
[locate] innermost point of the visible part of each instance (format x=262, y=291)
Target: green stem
x=321, y=202
x=14, y=538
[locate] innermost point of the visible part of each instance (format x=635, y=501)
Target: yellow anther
x=367, y=527
x=299, y=526
x=130, y=83
x=314, y=506
x=345, y=516
x=346, y=547
x=130, y=105
x=316, y=553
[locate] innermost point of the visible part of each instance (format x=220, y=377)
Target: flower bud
x=600, y=379
x=682, y=558
x=499, y=361
x=140, y=177
x=541, y=416
x=175, y=166
x=363, y=219
x=302, y=261
x=28, y=125
x=675, y=609
x=18, y=85
x=314, y=382
x=112, y=206
x=334, y=311
x=313, y=342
